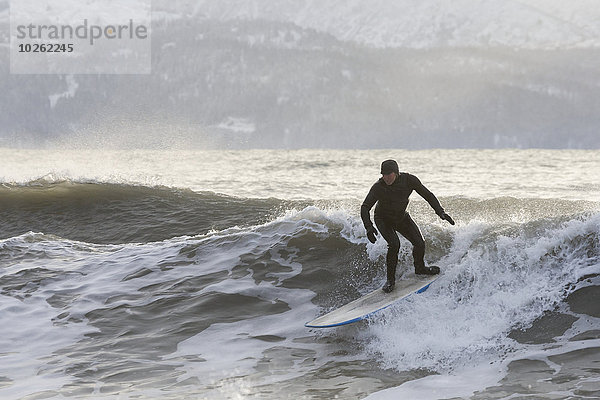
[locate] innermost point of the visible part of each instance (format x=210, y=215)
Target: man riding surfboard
x=391, y=194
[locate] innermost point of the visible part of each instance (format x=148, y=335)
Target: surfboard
x=369, y=304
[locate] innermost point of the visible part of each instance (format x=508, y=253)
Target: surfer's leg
x=389, y=234
x=411, y=232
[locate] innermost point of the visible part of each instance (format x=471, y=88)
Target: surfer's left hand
x=371, y=235
x=447, y=218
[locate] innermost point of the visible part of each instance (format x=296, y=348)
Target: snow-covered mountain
x=410, y=74
x=531, y=24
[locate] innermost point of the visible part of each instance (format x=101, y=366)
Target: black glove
x=371, y=233
x=446, y=217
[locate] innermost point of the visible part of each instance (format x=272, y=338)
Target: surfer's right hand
x=371, y=234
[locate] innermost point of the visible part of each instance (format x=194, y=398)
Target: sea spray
x=495, y=279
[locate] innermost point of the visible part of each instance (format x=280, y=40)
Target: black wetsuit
x=391, y=217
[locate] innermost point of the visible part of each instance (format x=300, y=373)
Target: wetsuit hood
x=389, y=166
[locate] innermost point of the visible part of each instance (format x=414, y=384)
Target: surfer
x=391, y=194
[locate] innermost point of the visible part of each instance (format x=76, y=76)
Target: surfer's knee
x=394, y=246
x=419, y=244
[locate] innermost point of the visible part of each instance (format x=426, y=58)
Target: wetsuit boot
x=423, y=270
x=388, y=287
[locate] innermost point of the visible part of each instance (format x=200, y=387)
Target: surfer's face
x=389, y=178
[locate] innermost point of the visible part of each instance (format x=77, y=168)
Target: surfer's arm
x=425, y=193
x=365, y=208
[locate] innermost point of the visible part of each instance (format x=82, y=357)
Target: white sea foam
x=27, y=336
x=487, y=290
x=489, y=287
x=433, y=387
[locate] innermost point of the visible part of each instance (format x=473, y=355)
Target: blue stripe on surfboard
x=366, y=316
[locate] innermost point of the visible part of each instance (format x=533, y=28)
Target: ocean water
x=190, y=274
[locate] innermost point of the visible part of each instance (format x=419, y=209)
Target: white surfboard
x=373, y=302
